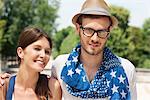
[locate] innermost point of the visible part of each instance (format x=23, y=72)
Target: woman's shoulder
x=55, y=89
x=53, y=83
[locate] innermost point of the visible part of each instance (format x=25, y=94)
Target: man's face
x=93, y=45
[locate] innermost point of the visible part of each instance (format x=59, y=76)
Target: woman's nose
x=42, y=53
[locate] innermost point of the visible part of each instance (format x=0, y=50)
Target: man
x=91, y=70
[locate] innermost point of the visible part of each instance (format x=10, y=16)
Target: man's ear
x=20, y=52
x=110, y=28
x=77, y=28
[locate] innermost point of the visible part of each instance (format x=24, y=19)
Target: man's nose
x=95, y=37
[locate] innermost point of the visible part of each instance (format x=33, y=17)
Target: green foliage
x=65, y=40
x=146, y=63
x=146, y=26
x=145, y=45
x=21, y=13
x=60, y=35
x=127, y=41
x=122, y=15
x=1, y=6
x=133, y=45
x=136, y=41
x=118, y=42
x=2, y=24
x=69, y=43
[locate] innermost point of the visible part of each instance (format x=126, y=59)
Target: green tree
x=122, y=15
x=146, y=26
x=146, y=44
x=2, y=24
x=1, y=6
x=60, y=35
x=69, y=42
x=64, y=41
x=135, y=53
x=21, y=13
x=118, y=40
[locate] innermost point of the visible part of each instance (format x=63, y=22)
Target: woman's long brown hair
x=27, y=37
x=42, y=90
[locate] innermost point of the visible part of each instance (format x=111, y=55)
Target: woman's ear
x=20, y=52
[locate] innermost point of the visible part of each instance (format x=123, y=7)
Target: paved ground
x=143, y=85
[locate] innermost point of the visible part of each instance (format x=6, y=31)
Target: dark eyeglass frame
x=99, y=32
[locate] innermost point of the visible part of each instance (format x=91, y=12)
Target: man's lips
x=94, y=45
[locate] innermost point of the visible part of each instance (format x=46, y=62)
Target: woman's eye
x=47, y=52
x=38, y=49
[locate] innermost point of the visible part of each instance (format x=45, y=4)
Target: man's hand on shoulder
x=3, y=78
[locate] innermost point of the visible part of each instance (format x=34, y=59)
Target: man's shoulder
x=127, y=66
x=62, y=57
x=58, y=65
x=125, y=62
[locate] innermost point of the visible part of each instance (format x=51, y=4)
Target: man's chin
x=91, y=52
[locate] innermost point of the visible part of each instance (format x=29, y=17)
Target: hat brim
x=113, y=18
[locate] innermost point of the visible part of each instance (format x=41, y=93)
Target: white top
x=13, y=98
x=59, y=63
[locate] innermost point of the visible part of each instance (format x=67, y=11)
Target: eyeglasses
x=90, y=32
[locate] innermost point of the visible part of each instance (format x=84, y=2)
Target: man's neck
x=91, y=64
x=91, y=60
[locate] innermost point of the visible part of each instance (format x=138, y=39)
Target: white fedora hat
x=95, y=7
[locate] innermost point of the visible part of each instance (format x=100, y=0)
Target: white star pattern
x=78, y=49
x=78, y=71
x=108, y=83
x=113, y=73
x=68, y=63
x=83, y=78
x=115, y=89
x=128, y=86
x=75, y=59
x=74, y=50
x=123, y=94
x=70, y=72
x=121, y=79
x=109, y=97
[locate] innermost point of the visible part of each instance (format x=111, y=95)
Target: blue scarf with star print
x=109, y=82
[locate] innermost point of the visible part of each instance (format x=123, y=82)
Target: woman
x=33, y=51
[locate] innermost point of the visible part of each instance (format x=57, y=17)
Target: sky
x=139, y=11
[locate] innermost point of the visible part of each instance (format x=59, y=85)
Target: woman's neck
x=26, y=79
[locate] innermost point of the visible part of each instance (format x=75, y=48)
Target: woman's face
x=35, y=55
